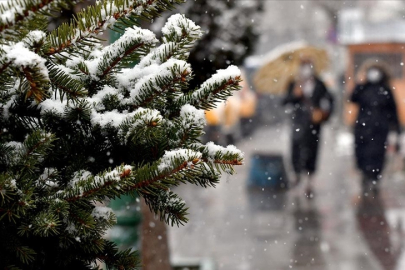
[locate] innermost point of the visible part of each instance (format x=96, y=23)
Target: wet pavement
x=243, y=228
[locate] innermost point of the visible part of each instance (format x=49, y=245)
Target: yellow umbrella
x=281, y=65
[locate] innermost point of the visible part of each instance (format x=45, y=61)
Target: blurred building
x=288, y=21
x=369, y=35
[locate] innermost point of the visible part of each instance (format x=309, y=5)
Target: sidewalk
x=243, y=229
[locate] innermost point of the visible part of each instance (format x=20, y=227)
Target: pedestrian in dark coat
x=312, y=106
x=377, y=115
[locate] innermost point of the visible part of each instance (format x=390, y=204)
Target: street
x=241, y=228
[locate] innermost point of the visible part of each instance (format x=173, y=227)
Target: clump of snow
x=10, y=14
x=113, y=118
x=100, y=95
x=222, y=75
x=35, y=36
x=46, y=178
x=14, y=144
x=175, y=201
x=213, y=150
x=6, y=107
x=102, y=212
x=233, y=150
x=129, y=76
x=141, y=117
x=181, y=27
x=158, y=55
x=11, y=183
x=97, y=99
x=179, y=154
x=134, y=35
x=71, y=228
x=53, y=104
x=74, y=61
x=78, y=177
x=191, y=115
x=113, y=175
x=230, y=72
x=20, y=56
x=167, y=69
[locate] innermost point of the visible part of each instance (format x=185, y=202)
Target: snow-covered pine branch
x=96, y=19
x=187, y=127
x=218, y=87
x=166, y=80
x=16, y=11
x=29, y=64
x=179, y=35
x=128, y=48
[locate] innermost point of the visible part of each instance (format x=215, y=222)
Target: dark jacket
x=377, y=114
x=303, y=106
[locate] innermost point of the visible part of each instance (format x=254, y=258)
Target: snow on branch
x=67, y=81
x=192, y=117
x=189, y=156
x=134, y=39
x=136, y=126
x=218, y=87
x=178, y=28
x=96, y=19
x=85, y=185
x=180, y=34
x=30, y=64
x=13, y=12
x=112, y=118
x=33, y=151
x=225, y=155
x=34, y=38
x=20, y=57
x=187, y=127
x=53, y=104
x=150, y=65
x=164, y=80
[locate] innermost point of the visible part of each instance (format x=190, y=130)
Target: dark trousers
x=370, y=147
x=305, y=150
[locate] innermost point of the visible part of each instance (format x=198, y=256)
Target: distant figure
x=312, y=106
x=377, y=114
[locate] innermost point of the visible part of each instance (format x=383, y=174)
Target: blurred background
x=257, y=219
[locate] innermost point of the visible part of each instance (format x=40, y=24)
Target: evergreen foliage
x=229, y=33
x=79, y=127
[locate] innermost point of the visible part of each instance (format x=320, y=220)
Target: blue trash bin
x=267, y=170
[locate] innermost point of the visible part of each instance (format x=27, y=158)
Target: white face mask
x=374, y=75
x=306, y=71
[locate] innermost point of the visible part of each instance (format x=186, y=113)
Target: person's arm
x=329, y=99
x=392, y=111
x=326, y=104
x=355, y=96
x=392, y=114
x=291, y=97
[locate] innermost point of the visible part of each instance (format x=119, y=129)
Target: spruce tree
x=79, y=126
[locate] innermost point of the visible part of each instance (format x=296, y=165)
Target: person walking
x=312, y=106
x=377, y=115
